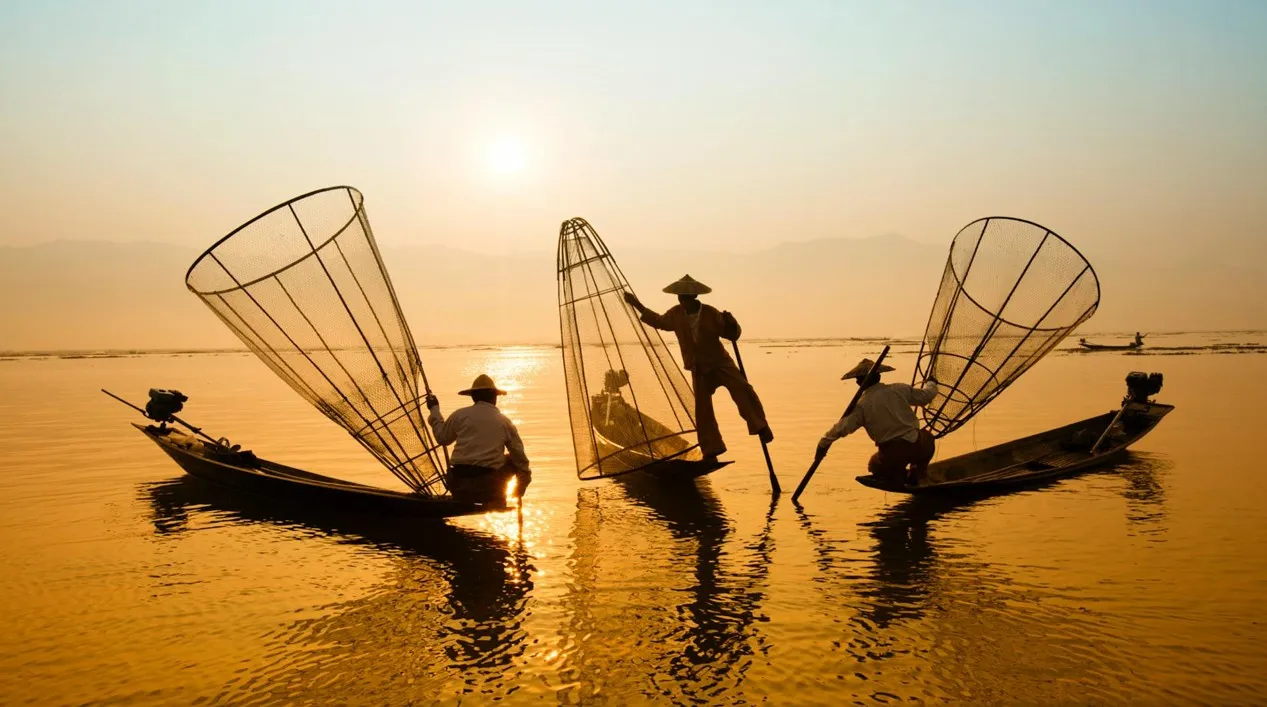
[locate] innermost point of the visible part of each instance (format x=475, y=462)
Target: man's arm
x=652, y=319
x=730, y=328
x=515, y=445
x=843, y=428
x=445, y=434
x=919, y=397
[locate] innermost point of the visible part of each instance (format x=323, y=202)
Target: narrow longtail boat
x=630, y=405
x=1064, y=451
x=1011, y=291
x=304, y=287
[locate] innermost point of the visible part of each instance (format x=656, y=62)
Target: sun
x=506, y=156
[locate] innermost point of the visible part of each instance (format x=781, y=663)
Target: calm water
x=127, y=582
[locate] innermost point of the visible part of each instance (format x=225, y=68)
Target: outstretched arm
x=648, y=317
x=923, y=396
x=846, y=426
x=445, y=434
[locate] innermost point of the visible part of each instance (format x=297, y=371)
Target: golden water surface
x=126, y=582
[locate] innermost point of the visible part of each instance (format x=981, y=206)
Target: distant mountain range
x=100, y=295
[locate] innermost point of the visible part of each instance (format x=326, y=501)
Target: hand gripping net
x=1011, y=291
x=304, y=287
x=630, y=404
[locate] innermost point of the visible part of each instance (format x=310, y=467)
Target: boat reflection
x=906, y=559
x=697, y=632
x=450, y=610
x=923, y=610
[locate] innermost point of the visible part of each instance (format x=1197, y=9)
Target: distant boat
x=1137, y=343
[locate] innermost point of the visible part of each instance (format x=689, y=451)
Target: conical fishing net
x=1011, y=291
x=303, y=285
x=629, y=402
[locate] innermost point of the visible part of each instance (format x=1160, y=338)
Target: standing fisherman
x=699, y=329
x=903, y=448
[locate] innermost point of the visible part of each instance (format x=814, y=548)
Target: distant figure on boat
x=699, y=329
x=903, y=449
x=1139, y=340
x=488, y=453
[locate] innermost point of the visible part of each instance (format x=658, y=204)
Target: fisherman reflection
x=717, y=632
x=452, y=600
x=488, y=451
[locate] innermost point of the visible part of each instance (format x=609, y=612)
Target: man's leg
x=884, y=465
x=710, y=441
x=745, y=397
x=921, y=455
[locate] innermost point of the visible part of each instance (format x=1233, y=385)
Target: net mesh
x=1011, y=291
x=304, y=287
x=630, y=404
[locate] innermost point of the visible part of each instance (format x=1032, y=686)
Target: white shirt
x=884, y=410
x=483, y=435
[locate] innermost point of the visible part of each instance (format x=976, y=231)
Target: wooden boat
x=630, y=441
x=242, y=471
x=1136, y=344
x=1064, y=451
x=1107, y=347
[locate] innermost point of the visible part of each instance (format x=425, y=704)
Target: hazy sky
x=1121, y=124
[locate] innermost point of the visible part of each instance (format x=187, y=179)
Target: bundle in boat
x=629, y=402
x=1011, y=291
x=304, y=287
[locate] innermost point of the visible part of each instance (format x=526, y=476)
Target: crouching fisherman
x=488, y=453
x=885, y=410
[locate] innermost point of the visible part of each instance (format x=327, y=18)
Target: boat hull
x=277, y=482
x=1108, y=347
x=1054, y=454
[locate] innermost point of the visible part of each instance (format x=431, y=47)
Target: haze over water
x=130, y=582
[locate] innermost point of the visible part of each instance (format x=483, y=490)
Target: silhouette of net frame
x=985, y=369
x=591, y=286
x=303, y=285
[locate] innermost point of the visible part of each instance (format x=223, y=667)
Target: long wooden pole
x=852, y=404
x=769, y=465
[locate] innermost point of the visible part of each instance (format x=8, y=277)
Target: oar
x=852, y=404
x=769, y=465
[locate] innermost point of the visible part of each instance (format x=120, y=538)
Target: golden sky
x=1134, y=129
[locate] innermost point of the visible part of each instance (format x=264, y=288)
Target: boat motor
x=1141, y=386
x=164, y=404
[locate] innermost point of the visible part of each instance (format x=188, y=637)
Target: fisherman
x=1139, y=340
x=488, y=453
x=699, y=329
x=903, y=448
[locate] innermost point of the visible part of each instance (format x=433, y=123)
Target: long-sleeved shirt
x=483, y=435
x=699, y=340
x=885, y=411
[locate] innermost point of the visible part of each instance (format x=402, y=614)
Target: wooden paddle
x=852, y=404
x=769, y=465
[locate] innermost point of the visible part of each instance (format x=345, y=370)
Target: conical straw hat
x=482, y=382
x=863, y=366
x=688, y=286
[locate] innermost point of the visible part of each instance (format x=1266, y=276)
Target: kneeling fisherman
x=488, y=451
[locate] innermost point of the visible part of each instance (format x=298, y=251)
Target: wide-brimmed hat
x=482, y=382
x=688, y=286
x=861, y=369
